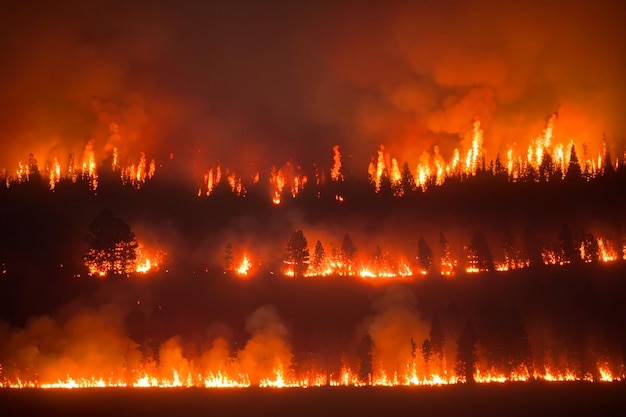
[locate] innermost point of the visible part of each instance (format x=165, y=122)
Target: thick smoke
x=249, y=83
x=395, y=330
x=268, y=348
x=90, y=344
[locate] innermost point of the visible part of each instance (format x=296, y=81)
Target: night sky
x=259, y=82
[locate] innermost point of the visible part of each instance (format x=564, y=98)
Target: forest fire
x=305, y=208
x=189, y=377
x=542, y=161
x=475, y=258
x=53, y=172
x=244, y=266
x=142, y=265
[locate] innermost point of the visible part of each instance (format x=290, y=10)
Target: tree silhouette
x=445, y=263
x=436, y=337
x=424, y=255
x=508, y=247
x=379, y=258
x=479, y=255
x=229, y=258
x=427, y=350
x=499, y=170
x=297, y=253
x=573, y=173
x=608, y=170
x=348, y=253
x=365, y=358
x=319, y=256
x=567, y=247
x=408, y=181
x=503, y=339
x=437, y=343
x=112, y=246
x=33, y=168
x=546, y=169
x=466, y=355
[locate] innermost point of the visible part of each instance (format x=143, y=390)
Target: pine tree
x=424, y=255
x=348, y=254
x=436, y=337
x=508, y=247
x=573, y=173
x=365, y=356
x=466, y=354
x=112, y=246
x=408, y=181
x=229, y=258
x=479, y=255
x=297, y=253
x=445, y=258
x=319, y=257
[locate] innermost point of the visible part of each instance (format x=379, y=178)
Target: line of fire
x=449, y=270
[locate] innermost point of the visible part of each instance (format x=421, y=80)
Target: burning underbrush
x=435, y=333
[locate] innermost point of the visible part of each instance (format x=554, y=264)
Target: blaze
x=244, y=266
x=335, y=172
x=54, y=174
x=277, y=180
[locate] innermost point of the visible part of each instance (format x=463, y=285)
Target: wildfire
x=145, y=263
x=544, y=159
x=135, y=174
x=244, y=267
x=279, y=377
x=335, y=173
x=277, y=180
x=142, y=264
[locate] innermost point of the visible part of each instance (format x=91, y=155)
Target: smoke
x=90, y=344
x=395, y=329
x=268, y=348
x=259, y=84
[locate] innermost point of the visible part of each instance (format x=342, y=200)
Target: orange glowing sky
x=260, y=82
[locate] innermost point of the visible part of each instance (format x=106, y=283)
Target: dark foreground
x=520, y=399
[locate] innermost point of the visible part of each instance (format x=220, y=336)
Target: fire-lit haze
x=294, y=194
x=250, y=85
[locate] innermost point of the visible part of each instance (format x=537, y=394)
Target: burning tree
x=297, y=253
x=365, y=358
x=446, y=265
x=574, y=172
x=319, y=257
x=112, y=246
x=479, y=255
x=424, y=255
x=466, y=355
x=348, y=254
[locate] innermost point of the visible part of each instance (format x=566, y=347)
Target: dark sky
x=261, y=81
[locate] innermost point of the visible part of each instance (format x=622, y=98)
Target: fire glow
x=279, y=380
x=260, y=363
x=145, y=261
x=543, y=160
